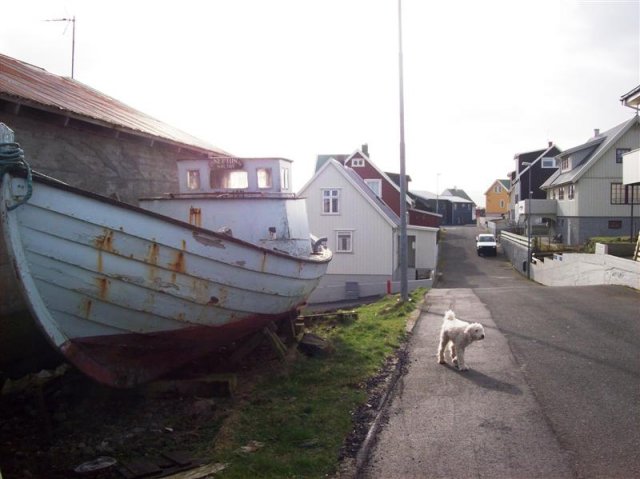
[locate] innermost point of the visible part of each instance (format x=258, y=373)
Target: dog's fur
x=458, y=334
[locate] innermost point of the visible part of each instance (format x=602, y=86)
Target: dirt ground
x=48, y=431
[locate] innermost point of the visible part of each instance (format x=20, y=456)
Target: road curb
x=363, y=453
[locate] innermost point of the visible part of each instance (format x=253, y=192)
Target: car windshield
x=485, y=238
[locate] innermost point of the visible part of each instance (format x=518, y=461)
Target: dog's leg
x=461, y=364
x=441, y=347
x=454, y=354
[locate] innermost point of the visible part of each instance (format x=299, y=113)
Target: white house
x=363, y=233
x=591, y=199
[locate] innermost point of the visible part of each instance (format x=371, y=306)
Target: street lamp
x=404, y=260
x=529, y=164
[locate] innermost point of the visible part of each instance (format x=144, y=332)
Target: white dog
x=459, y=334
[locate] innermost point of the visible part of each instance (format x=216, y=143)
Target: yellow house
x=497, y=198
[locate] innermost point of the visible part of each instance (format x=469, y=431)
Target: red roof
x=33, y=86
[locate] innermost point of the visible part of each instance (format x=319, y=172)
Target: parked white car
x=486, y=244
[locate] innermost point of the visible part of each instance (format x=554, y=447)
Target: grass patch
x=301, y=413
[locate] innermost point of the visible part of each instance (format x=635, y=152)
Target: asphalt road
x=553, y=391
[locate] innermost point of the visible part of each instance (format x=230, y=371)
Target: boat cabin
x=247, y=198
x=235, y=175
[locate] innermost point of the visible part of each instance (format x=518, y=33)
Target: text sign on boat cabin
x=225, y=164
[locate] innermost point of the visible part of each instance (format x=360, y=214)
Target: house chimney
x=596, y=132
x=550, y=143
x=365, y=149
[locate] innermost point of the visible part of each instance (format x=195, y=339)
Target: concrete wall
x=572, y=269
x=96, y=159
x=333, y=288
x=515, y=249
x=580, y=269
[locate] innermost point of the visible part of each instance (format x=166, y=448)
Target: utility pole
x=404, y=286
x=73, y=38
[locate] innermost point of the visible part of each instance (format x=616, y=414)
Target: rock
x=315, y=346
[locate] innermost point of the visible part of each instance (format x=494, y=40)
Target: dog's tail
x=449, y=315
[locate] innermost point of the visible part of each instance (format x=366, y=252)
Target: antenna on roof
x=73, y=37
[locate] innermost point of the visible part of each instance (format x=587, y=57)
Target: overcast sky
x=483, y=80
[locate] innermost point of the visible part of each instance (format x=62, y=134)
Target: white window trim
x=357, y=162
x=376, y=181
x=338, y=197
x=344, y=233
x=550, y=159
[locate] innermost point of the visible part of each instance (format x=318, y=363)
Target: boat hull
x=128, y=295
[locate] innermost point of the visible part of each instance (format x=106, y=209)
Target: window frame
x=333, y=201
x=357, y=162
x=376, y=181
x=547, y=159
x=264, y=173
x=194, y=174
x=623, y=194
x=284, y=179
x=620, y=153
x=225, y=177
x=344, y=234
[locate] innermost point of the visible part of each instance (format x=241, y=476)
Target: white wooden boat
x=128, y=294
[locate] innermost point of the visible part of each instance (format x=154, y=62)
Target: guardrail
x=514, y=238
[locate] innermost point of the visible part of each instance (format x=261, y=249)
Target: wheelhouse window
x=331, y=202
x=344, y=242
x=625, y=195
x=229, y=179
x=620, y=152
x=193, y=180
x=264, y=178
x=284, y=179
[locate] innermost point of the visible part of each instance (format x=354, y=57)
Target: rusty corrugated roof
x=34, y=86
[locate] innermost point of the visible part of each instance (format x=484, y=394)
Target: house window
x=193, y=180
x=497, y=189
x=501, y=203
x=615, y=224
x=228, y=179
x=375, y=185
x=284, y=179
x=264, y=177
x=620, y=152
x=548, y=162
x=357, y=162
x=553, y=194
x=565, y=163
x=344, y=242
x=561, y=193
x=570, y=191
x=622, y=195
x=331, y=202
